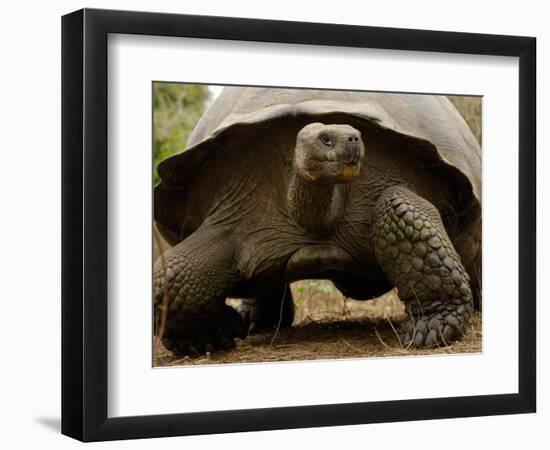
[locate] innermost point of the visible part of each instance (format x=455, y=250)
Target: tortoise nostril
x=350, y=139
x=356, y=139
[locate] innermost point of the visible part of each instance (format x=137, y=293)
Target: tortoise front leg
x=192, y=280
x=417, y=256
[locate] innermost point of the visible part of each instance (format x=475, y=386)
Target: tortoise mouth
x=325, y=171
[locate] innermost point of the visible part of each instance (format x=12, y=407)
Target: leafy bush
x=177, y=108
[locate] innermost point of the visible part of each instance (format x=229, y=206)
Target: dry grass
x=328, y=326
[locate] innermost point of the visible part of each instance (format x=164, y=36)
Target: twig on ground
x=345, y=310
x=443, y=339
x=349, y=345
x=395, y=331
x=391, y=349
x=280, y=317
x=413, y=321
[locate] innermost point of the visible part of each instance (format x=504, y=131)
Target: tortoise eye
x=325, y=139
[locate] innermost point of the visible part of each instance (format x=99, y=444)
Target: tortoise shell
x=429, y=126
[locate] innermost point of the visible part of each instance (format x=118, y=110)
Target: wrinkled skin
x=350, y=206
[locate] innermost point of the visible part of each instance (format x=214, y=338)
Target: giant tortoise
x=373, y=191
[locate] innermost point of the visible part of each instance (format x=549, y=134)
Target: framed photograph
x=274, y=225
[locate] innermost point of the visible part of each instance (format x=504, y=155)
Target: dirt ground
x=328, y=326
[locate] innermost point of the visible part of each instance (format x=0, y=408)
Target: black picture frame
x=84, y=224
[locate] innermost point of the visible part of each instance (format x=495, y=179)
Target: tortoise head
x=329, y=154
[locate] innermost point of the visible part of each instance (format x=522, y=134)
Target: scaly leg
x=417, y=256
x=192, y=280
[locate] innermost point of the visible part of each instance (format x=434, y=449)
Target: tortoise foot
x=207, y=334
x=268, y=312
x=444, y=325
x=252, y=317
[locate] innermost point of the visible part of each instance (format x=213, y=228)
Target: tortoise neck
x=316, y=207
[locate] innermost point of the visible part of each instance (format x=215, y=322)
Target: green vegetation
x=176, y=110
